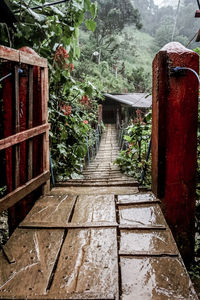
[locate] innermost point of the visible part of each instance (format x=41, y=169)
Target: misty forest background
x=127, y=37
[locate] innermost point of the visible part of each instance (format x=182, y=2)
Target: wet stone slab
x=88, y=264
x=161, y=278
x=141, y=215
x=157, y=242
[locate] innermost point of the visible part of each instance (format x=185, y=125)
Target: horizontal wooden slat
x=52, y=225
x=9, y=53
x=157, y=201
x=22, y=136
x=22, y=191
x=31, y=59
x=74, y=296
x=143, y=227
x=22, y=57
x=146, y=254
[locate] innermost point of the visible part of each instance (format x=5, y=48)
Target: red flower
x=71, y=67
x=67, y=109
x=85, y=121
x=85, y=100
x=61, y=53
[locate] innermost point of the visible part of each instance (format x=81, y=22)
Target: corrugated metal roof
x=140, y=100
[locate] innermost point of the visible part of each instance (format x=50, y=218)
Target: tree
x=112, y=17
x=164, y=35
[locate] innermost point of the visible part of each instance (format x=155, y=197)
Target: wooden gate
x=24, y=130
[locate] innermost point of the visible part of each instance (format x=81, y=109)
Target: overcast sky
x=166, y=2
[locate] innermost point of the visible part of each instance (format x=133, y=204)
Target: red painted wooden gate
x=174, y=140
x=24, y=136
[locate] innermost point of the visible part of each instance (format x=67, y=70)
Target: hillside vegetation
x=117, y=56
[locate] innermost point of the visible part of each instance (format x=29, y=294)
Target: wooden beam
x=9, y=54
x=144, y=227
x=31, y=59
x=17, y=128
x=22, y=57
x=30, y=123
x=22, y=191
x=44, y=103
x=22, y=136
x=55, y=296
x=56, y=225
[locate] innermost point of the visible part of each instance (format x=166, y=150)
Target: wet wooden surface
x=88, y=264
x=34, y=254
x=109, y=242
x=160, y=278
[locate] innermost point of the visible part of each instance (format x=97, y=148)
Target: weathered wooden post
x=174, y=140
x=25, y=126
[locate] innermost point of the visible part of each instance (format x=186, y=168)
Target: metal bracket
x=173, y=72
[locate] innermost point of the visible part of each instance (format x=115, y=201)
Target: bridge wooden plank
x=76, y=296
x=141, y=215
x=136, y=198
x=97, y=184
x=88, y=264
x=155, y=278
x=157, y=242
x=51, y=209
x=64, y=225
x=93, y=190
x=35, y=253
x=98, y=208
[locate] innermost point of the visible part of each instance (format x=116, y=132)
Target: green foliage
x=132, y=160
x=126, y=69
x=53, y=32
x=73, y=118
x=112, y=17
x=3, y=190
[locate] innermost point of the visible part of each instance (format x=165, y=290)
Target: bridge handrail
x=26, y=140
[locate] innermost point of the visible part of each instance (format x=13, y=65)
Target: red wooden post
x=174, y=141
x=8, y=128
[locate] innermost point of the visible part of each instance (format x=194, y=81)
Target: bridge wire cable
x=176, y=18
x=10, y=74
x=51, y=169
x=198, y=4
x=192, y=39
x=177, y=69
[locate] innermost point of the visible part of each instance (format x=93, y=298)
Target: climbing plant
x=53, y=32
